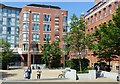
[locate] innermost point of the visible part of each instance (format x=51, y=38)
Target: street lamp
x=29, y=56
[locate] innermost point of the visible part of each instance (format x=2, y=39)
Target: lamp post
x=29, y=55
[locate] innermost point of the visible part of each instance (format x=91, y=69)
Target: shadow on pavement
x=5, y=75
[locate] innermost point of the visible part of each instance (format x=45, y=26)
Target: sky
x=72, y=7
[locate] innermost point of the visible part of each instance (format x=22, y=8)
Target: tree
x=76, y=37
x=105, y=42
x=52, y=54
x=6, y=53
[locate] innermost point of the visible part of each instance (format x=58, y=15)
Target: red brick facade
x=100, y=13
x=55, y=23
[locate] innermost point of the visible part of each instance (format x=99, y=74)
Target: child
x=38, y=73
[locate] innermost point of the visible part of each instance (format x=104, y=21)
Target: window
x=17, y=22
x=46, y=37
x=110, y=9
x=46, y=27
x=11, y=21
x=100, y=15
x=35, y=27
x=17, y=30
x=47, y=18
x=26, y=16
x=17, y=40
x=25, y=36
x=88, y=21
x=4, y=12
x=116, y=5
x=12, y=30
x=4, y=29
x=12, y=46
x=95, y=17
x=4, y=21
x=25, y=47
x=92, y=30
x=13, y=13
x=12, y=39
x=25, y=26
x=88, y=31
x=36, y=17
x=117, y=67
x=35, y=37
x=92, y=20
x=64, y=18
x=9, y=13
x=64, y=29
x=17, y=13
x=104, y=12
x=0, y=12
x=8, y=30
x=9, y=39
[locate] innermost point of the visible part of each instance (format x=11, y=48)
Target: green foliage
x=75, y=62
x=5, y=54
x=105, y=42
x=52, y=54
x=75, y=39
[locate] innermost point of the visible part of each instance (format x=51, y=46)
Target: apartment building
x=9, y=27
x=37, y=24
x=101, y=12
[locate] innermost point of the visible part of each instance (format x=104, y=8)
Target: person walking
x=28, y=72
x=39, y=73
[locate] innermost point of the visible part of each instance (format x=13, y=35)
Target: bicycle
x=62, y=75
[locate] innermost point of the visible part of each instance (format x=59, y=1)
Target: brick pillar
x=29, y=60
x=22, y=60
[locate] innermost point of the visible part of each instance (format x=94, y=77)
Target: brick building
x=37, y=24
x=101, y=12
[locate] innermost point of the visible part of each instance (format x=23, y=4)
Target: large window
x=25, y=36
x=36, y=17
x=11, y=21
x=35, y=27
x=26, y=16
x=25, y=26
x=104, y=12
x=35, y=37
x=25, y=47
x=64, y=18
x=47, y=18
x=46, y=27
x=110, y=9
x=46, y=37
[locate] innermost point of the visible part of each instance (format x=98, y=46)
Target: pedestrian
x=39, y=73
x=28, y=73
